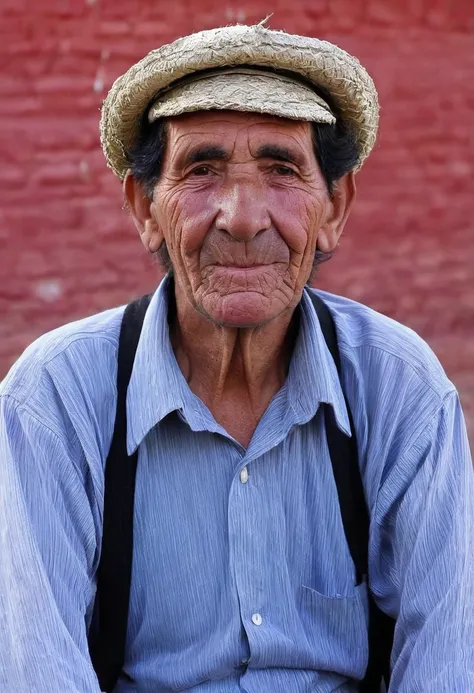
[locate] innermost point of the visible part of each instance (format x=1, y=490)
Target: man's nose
x=243, y=211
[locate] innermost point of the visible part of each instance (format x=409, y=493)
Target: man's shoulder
x=383, y=345
x=75, y=350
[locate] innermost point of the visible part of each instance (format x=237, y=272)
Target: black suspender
x=355, y=516
x=345, y=461
x=109, y=625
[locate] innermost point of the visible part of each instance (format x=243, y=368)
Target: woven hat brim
x=325, y=65
x=244, y=90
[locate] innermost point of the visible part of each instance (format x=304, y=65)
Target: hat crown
x=319, y=62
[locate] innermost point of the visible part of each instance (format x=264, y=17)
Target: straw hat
x=245, y=68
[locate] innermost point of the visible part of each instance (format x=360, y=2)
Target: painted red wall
x=67, y=247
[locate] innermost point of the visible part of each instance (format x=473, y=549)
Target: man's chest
x=227, y=542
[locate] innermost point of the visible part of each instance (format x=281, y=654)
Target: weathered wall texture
x=67, y=247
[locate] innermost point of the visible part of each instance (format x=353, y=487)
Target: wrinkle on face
x=241, y=231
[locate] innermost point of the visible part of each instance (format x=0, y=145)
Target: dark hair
x=145, y=158
x=335, y=147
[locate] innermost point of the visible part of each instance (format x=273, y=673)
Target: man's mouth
x=243, y=271
x=244, y=265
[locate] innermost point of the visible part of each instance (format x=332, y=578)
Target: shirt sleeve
x=422, y=555
x=48, y=549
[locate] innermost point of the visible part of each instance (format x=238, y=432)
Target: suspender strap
x=345, y=461
x=107, y=646
x=355, y=515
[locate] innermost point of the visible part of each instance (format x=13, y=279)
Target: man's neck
x=235, y=372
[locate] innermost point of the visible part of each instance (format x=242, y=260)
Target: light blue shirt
x=242, y=578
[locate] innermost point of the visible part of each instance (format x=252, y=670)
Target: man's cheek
x=311, y=216
x=301, y=243
x=298, y=221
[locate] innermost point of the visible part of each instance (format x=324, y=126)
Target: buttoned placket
x=245, y=540
x=249, y=515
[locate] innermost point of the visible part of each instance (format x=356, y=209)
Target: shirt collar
x=157, y=386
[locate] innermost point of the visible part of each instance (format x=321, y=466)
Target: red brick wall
x=68, y=249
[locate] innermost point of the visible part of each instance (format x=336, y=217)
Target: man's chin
x=243, y=309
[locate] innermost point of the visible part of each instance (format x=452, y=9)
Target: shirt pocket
x=336, y=628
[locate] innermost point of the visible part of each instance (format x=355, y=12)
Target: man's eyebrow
x=205, y=153
x=276, y=151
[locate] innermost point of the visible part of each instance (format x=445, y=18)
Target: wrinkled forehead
x=234, y=130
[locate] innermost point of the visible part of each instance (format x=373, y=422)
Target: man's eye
x=201, y=171
x=284, y=170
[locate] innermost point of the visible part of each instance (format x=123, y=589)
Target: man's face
x=240, y=204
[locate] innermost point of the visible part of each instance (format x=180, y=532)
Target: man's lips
x=241, y=267
x=240, y=271
x=244, y=266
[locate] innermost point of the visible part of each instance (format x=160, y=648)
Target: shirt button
x=244, y=475
x=257, y=619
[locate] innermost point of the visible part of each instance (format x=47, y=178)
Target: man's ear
x=340, y=205
x=140, y=206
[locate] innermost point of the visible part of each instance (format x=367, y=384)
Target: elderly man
x=302, y=512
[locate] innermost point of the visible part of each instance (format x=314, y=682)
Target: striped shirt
x=242, y=578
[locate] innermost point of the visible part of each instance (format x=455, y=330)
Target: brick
x=62, y=84
x=115, y=27
x=17, y=106
x=396, y=13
